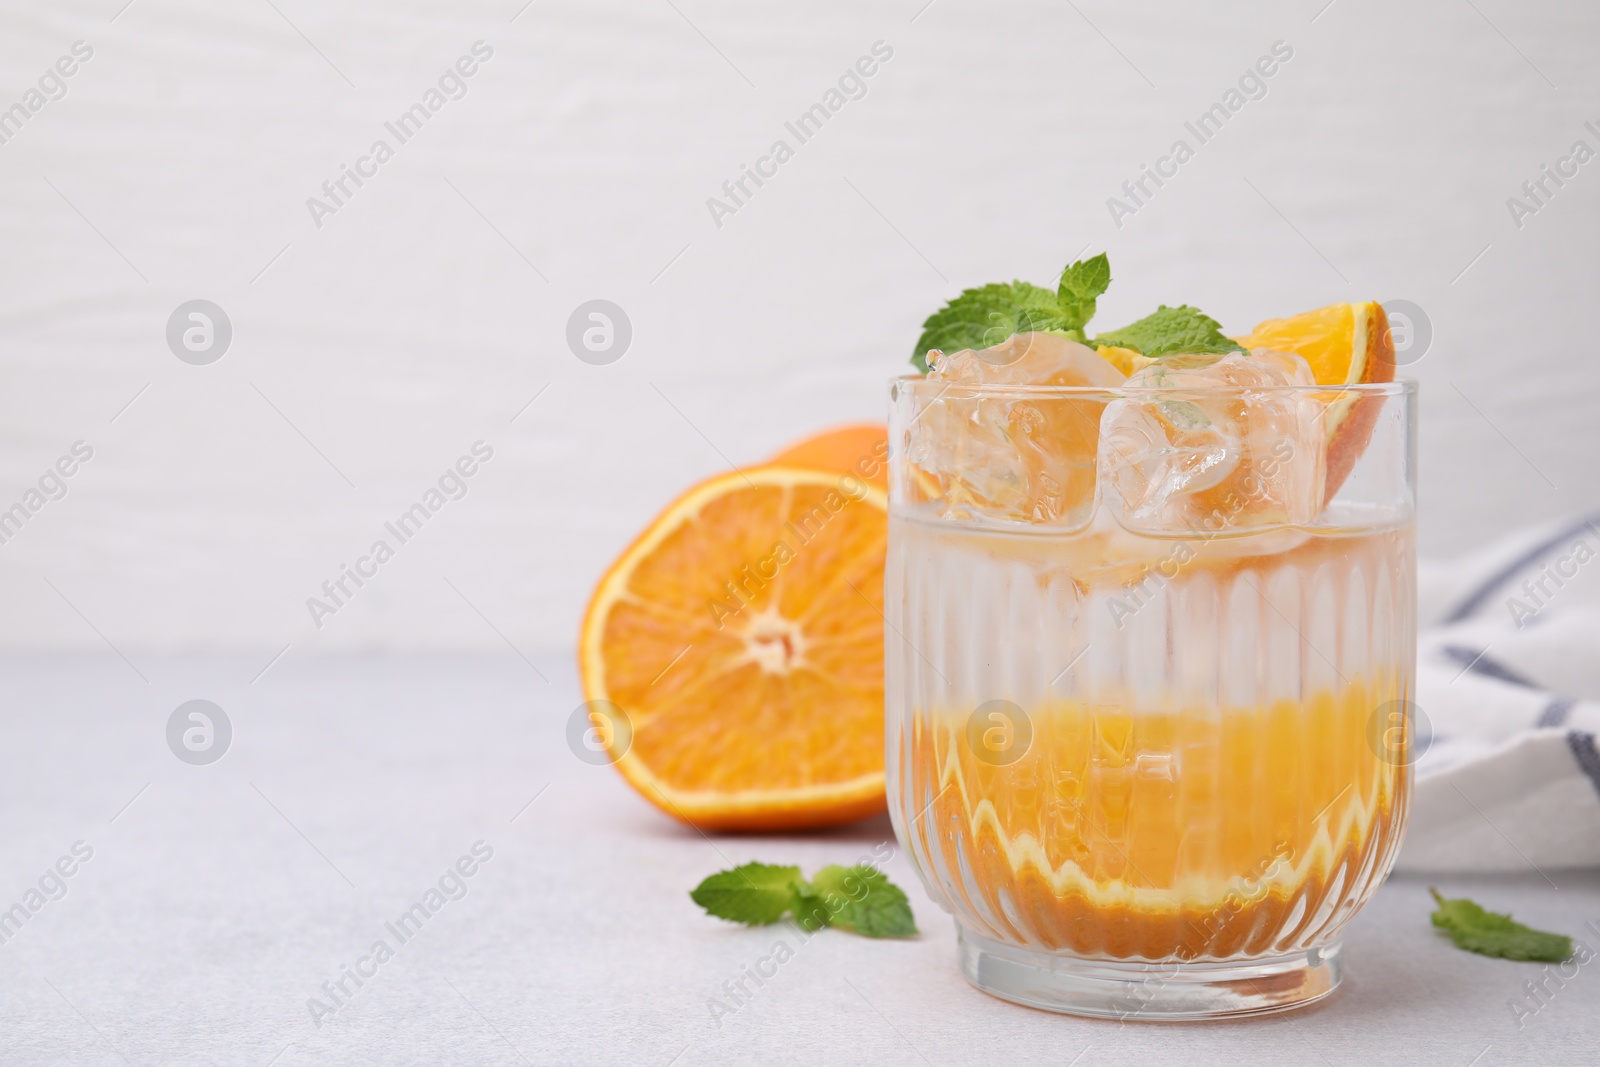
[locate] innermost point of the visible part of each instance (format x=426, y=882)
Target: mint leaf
x=1169, y=330
x=810, y=910
x=1492, y=934
x=986, y=316
x=862, y=900
x=755, y=894
x=859, y=899
x=1081, y=283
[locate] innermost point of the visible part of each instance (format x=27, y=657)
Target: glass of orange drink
x=1150, y=648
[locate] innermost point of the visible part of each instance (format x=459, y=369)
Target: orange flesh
x=1323, y=338
x=1345, y=344
x=743, y=638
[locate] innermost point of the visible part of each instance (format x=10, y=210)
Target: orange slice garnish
x=1345, y=344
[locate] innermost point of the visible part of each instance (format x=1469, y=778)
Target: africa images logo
x=52, y=86
x=451, y=485
x=852, y=85
x=452, y=85
x=451, y=885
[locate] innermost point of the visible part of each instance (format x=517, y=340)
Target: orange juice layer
x=1189, y=834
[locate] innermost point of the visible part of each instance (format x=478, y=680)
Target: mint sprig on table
x=1489, y=933
x=987, y=315
x=859, y=899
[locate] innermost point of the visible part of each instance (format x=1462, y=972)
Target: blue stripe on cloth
x=1478, y=663
x=1487, y=588
x=1555, y=713
x=1583, y=751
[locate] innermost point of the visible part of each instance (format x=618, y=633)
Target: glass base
x=1111, y=989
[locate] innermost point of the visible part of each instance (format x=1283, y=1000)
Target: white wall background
x=411, y=325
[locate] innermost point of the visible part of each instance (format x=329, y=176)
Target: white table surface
x=218, y=901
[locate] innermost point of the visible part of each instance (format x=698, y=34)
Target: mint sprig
x=859, y=899
x=988, y=315
x=1489, y=933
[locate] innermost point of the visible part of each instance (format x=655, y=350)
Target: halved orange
x=861, y=449
x=742, y=637
x=1345, y=344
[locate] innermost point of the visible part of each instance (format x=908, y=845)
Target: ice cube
x=1026, y=359
x=1023, y=458
x=1223, y=446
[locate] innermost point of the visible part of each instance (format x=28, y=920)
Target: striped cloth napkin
x=1508, y=706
